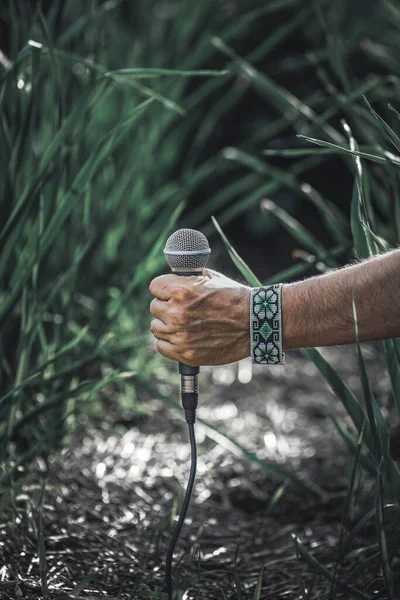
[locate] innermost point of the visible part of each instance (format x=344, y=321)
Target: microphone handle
x=189, y=379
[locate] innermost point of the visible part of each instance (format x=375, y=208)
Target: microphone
x=187, y=252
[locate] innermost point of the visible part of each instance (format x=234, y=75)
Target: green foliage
x=374, y=208
x=96, y=114
x=91, y=135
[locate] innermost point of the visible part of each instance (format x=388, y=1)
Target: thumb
x=210, y=274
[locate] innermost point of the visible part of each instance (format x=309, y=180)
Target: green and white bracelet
x=266, y=325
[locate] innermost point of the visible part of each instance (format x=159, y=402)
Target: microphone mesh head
x=187, y=249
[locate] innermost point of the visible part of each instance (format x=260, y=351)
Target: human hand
x=201, y=320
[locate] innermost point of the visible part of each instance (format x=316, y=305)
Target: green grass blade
x=293, y=226
x=361, y=524
x=41, y=545
x=72, y=196
x=392, y=363
x=380, y=526
x=366, y=458
x=368, y=399
x=54, y=65
x=317, y=567
x=80, y=587
x=342, y=391
x=241, y=265
x=388, y=131
x=333, y=218
x=396, y=112
x=361, y=239
x=364, y=242
x=302, y=269
x=280, y=97
x=144, y=73
x=87, y=102
x=386, y=159
x=267, y=189
x=257, y=591
x=347, y=508
x=236, y=577
x=90, y=388
x=277, y=495
x=297, y=152
x=95, y=160
x=226, y=196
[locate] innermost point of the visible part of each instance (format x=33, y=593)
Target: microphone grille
x=187, y=249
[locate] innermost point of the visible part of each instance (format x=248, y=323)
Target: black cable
x=183, y=512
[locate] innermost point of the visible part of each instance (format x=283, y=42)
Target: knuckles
x=181, y=293
x=155, y=285
x=177, y=315
x=153, y=306
x=189, y=355
x=182, y=336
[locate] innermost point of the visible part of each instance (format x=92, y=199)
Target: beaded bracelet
x=266, y=325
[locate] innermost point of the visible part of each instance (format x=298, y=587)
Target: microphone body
x=189, y=376
x=187, y=252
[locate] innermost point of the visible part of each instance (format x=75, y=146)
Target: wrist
x=266, y=325
x=242, y=321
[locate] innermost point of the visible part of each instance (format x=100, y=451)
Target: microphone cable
x=186, y=252
x=183, y=512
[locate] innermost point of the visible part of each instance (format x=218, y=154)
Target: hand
x=201, y=320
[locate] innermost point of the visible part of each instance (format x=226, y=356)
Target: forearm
x=318, y=311
x=205, y=320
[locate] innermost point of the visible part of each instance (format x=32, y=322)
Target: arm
x=205, y=320
x=318, y=311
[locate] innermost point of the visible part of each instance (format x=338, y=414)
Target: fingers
x=166, y=349
x=160, y=287
x=210, y=273
x=158, y=309
x=159, y=330
x=164, y=286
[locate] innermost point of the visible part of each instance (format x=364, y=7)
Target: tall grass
x=90, y=190
x=368, y=141
x=94, y=126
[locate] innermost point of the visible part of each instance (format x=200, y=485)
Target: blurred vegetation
x=121, y=120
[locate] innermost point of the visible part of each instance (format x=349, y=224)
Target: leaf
x=236, y=578
x=333, y=218
x=71, y=197
x=388, y=131
x=365, y=457
x=236, y=259
x=281, y=98
x=296, y=229
x=393, y=367
x=80, y=587
x=296, y=152
x=303, y=268
x=317, y=567
x=342, y=391
x=386, y=159
x=257, y=591
x=86, y=387
x=361, y=524
x=368, y=399
x=140, y=73
x=380, y=523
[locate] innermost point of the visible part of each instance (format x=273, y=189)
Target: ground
x=112, y=494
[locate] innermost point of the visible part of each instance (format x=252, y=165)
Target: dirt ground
x=113, y=493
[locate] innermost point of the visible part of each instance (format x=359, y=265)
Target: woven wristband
x=266, y=325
